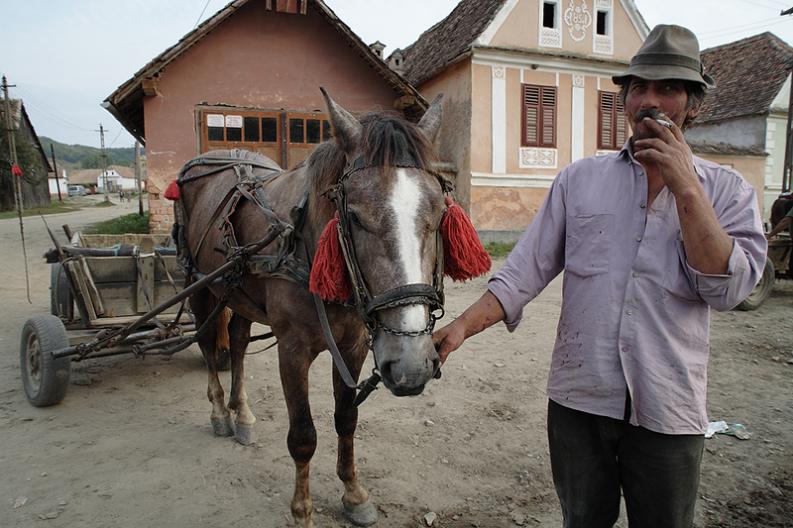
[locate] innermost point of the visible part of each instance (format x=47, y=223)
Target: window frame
x=617, y=117
x=541, y=116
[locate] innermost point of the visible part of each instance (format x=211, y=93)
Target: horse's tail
x=222, y=341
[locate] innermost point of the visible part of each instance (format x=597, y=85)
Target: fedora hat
x=668, y=52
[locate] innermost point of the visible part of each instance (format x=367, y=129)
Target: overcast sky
x=67, y=56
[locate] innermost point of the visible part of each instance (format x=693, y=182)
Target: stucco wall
x=521, y=30
x=752, y=168
x=454, y=138
x=256, y=58
x=744, y=132
x=775, y=162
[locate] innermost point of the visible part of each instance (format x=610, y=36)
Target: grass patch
x=103, y=204
x=55, y=208
x=499, y=249
x=131, y=223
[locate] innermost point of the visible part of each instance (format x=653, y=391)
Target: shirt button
x=642, y=206
x=628, y=312
x=638, y=239
x=635, y=275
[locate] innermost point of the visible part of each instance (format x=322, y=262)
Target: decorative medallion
x=578, y=19
x=498, y=72
x=537, y=158
x=578, y=80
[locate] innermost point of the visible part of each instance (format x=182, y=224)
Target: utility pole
x=16, y=175
x=55, y=168
x=137, y=178
x=104, y=160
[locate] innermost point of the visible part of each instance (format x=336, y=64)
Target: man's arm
x=708, y=246
x=780, y=226
x=484, y=313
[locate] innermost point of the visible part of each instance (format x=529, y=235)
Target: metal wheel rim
x=33, y=363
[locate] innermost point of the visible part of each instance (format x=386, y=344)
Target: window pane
x=251, y=125
x=326, y=132
x=215, y=133
x=601, y=22
x=312, y=131
x=270, y=129
x=296, y=131
x=549, y=14
x=233, y=134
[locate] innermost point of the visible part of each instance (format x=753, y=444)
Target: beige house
x=528, y=90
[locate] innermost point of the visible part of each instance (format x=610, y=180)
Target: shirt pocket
x=588, y=244
x=676, y=280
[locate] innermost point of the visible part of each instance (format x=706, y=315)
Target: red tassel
x=16, y=171
x=172, y=191
x=464, y=257
x=329, y=277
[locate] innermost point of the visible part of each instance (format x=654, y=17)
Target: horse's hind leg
x=357, y=506
x=211, y=342
x=294, y=363
x=239, y=336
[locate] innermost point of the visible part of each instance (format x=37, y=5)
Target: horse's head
x=391, y=204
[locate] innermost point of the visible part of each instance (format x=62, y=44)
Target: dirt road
x=131, y=445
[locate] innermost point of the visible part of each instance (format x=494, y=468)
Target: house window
x=244, y=127
x=602, y=22
x=612, y=125
x=549, y=15
x=310, y=130
x=539, y=116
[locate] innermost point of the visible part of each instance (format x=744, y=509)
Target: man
x=781, y=215
x=650, y=239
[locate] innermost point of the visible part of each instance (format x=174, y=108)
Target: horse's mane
x=386, y=139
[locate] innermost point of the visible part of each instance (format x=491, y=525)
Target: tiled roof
x=448, y=39
x=84, y=176
x=749, y=74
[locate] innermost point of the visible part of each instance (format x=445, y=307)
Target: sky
x=66, y=56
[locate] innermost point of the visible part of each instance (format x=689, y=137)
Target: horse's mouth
x=406, y=391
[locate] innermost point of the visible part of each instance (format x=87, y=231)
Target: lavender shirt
x=635, y=316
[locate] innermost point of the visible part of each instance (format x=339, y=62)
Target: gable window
x=603, y=36
x=612, y=125
x=602, y=22
x=549, y=15
x=538, y=116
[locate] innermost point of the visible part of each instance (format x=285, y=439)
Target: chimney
x=396, y=60
x=377, y=47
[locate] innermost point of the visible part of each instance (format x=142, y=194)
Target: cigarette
x=663, y=123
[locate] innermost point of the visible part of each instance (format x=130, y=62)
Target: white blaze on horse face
x=405, y=203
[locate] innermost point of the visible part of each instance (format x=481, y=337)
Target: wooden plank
x=112, y=269
x=119, y=299
x=145, y=283
x=96, y=300
x=118, y=321
x=76, y=270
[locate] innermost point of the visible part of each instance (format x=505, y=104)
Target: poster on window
x=233, y=121
x=215, y=120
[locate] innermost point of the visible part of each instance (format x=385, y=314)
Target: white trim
x=603, y=44
x=495, y=25
x=598, y=78
x=538, y=158
x=782, y=99
x=636, y=18
x=577, y=111
x=550, y=37
x=498, y=119
x=557, y=80
x=526, y=181
x=546, y=64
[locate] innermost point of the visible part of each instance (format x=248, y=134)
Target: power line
x=115, y=138
x=49, y=112
x=764, y=3
x=202, y=14
x=734, y=29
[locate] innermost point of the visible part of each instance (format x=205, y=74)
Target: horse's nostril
x=385, y=370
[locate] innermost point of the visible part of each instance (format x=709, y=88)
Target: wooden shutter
x=612, y=125
x=539, y=116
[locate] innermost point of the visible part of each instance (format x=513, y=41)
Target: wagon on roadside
x=108, y=296
x=778, y=265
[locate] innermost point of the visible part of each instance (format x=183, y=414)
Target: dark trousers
x=592, y=457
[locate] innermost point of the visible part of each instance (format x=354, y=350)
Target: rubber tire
x=54, y=374
x=61, y=300
x=760, y=292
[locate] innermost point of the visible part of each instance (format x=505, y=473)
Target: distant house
x=32, y=160
x=249, y=77
x=54, y=183
x=528, y=90
x=743, y=121
x=88, y=178
x=118, y=178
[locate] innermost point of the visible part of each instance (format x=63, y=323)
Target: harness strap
x=338, y=361
x=401, y=295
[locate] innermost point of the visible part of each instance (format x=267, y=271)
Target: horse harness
x=285, y=264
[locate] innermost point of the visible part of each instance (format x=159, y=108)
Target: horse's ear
x=346, y=128
x=430, y=122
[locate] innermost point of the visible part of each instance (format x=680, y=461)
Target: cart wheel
x=760, y=292
x=61, y=302
x=44, y=377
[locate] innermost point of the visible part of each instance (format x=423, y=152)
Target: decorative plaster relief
x=498, y=72
x=604, y=44
x=550, y=38
x=578, y=19
x=537, y=158
x=578, y=80
x=603, y=4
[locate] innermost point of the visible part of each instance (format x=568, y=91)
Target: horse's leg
x=202, y=303
x=239, y=336
x=294, y=363
x=357, y=506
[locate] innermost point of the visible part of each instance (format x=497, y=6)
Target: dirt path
x=131, y=444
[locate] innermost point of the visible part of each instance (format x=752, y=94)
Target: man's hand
x=484, y=313
x=670, y=155
x=448, y=339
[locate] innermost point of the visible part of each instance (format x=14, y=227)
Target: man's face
x=667, y=97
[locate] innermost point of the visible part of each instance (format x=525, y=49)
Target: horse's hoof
x=244, y=434
x=364, y=514
x=222, y=426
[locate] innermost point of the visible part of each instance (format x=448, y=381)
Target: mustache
x=652, y=113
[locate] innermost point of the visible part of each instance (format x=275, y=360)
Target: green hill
x=84, y=157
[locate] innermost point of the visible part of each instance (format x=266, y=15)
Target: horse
x=375, y=178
